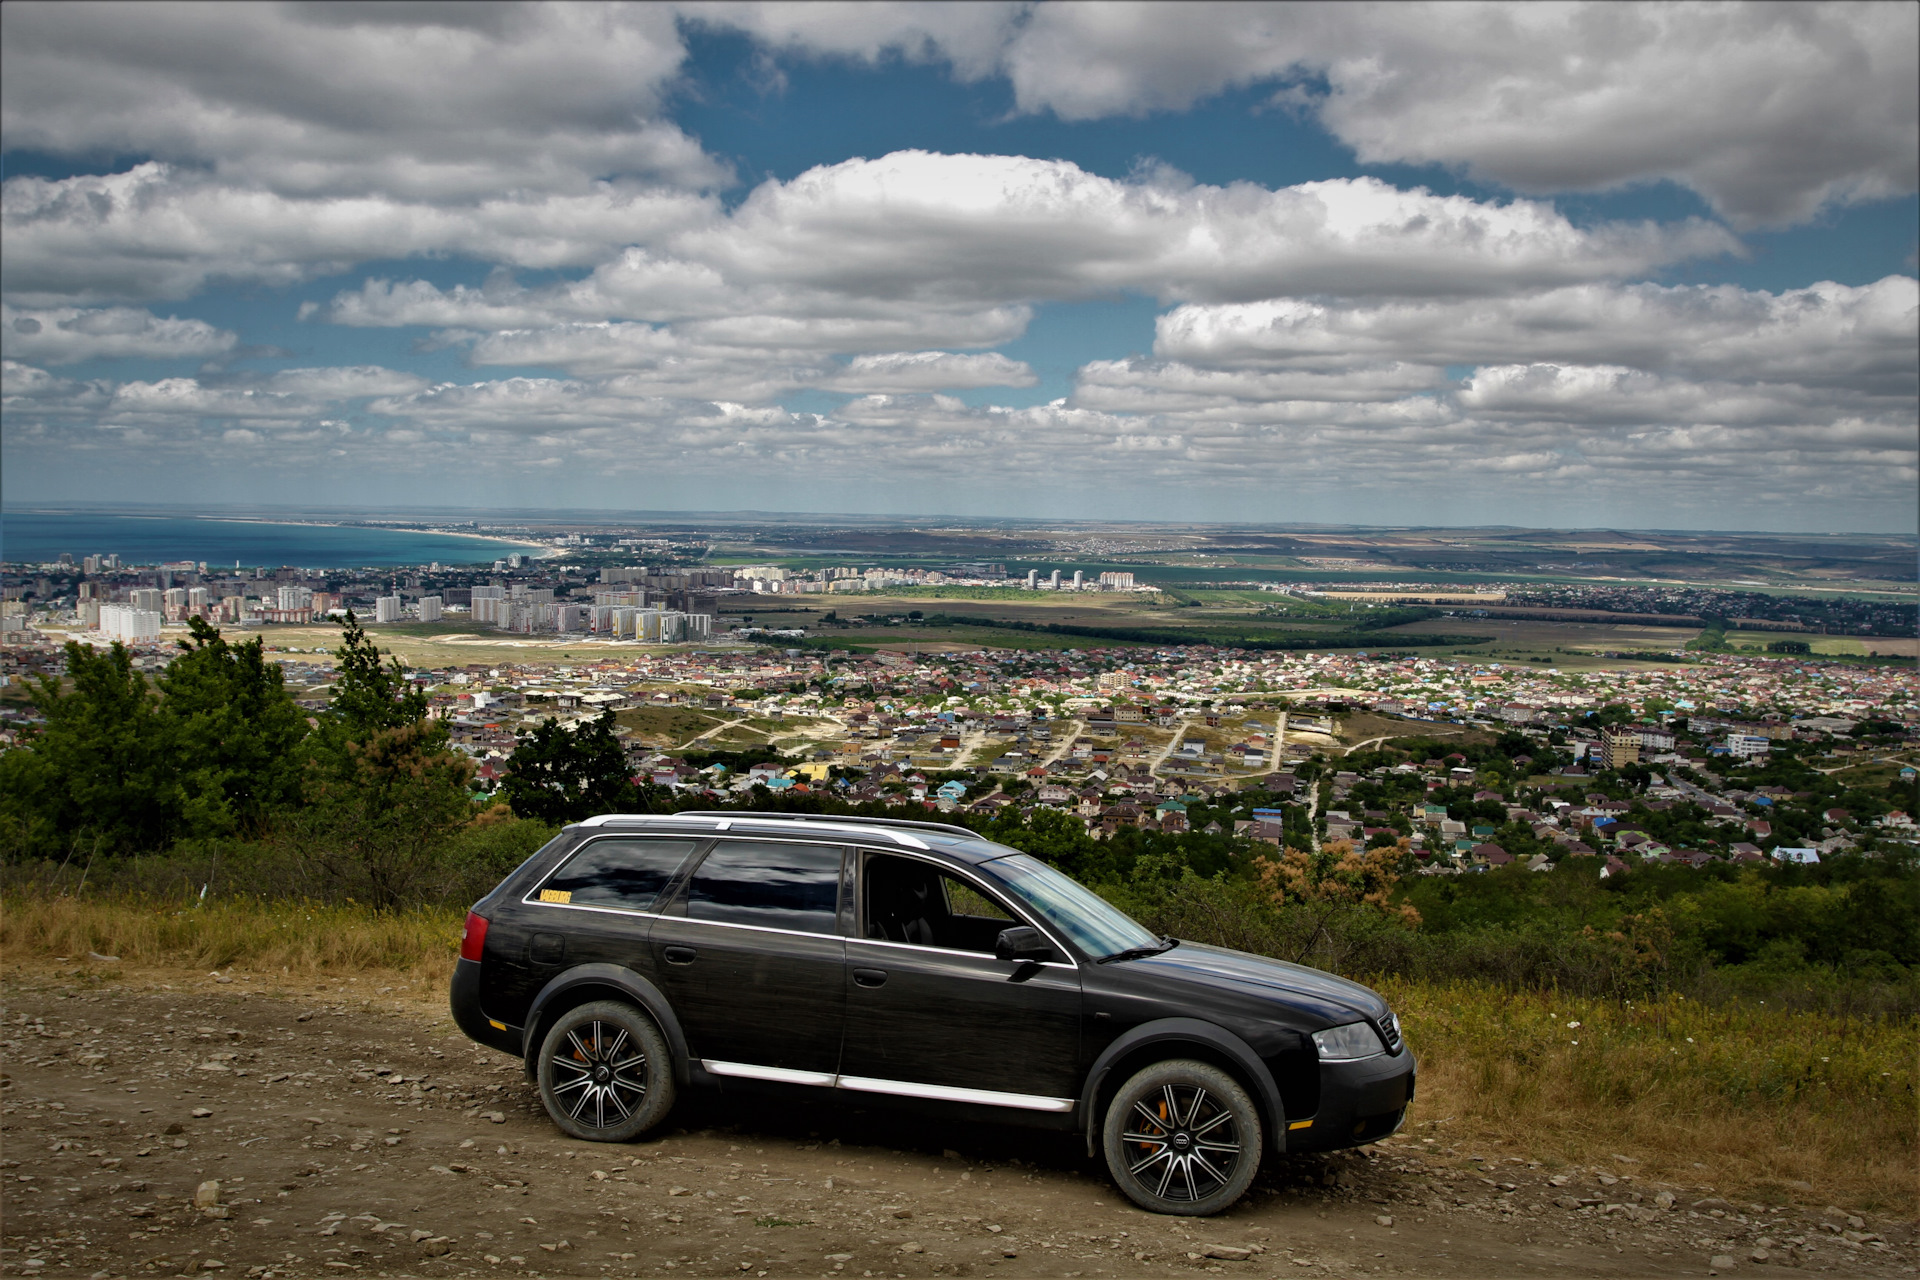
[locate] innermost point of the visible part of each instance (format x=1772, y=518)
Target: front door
x=932, y=1013
x=752, y=959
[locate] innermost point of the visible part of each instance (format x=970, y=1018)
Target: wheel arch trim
x=1194, y=1031
x=629, y=984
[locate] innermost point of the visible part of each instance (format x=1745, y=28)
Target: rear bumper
x=1360, y=1102
x=464, y=999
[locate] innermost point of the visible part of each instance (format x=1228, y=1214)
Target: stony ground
x=173, y=1124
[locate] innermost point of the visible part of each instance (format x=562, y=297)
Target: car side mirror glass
x=1022, y=942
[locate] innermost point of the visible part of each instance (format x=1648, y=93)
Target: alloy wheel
x=1182, y=1145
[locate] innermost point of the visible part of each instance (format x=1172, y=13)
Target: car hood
x=1331, y=997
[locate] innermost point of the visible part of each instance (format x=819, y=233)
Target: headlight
x=1346, y=1044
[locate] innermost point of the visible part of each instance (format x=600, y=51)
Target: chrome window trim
x=989, y=891
x=950, y=951
x=894, y=1088
x=629, y=913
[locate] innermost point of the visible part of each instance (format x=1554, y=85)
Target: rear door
x=930, y=1011
x=751, y=956
x=594, y=907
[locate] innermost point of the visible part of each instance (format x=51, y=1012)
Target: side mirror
x=1022, y=942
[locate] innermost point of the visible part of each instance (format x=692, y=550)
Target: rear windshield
x=620, y=872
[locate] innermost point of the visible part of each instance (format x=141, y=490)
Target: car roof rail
x=945, y=828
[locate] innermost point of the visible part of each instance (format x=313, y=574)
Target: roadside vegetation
x=1761, y=1018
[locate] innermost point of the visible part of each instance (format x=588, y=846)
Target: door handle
x=870, y=977
x=679, y=955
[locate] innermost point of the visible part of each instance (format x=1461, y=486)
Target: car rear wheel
x=605, y=1074
x=1182, y=1137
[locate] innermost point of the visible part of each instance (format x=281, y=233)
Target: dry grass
x=1742, y=1098
x=296, y=939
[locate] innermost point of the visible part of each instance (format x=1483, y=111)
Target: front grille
x=1390, y=1033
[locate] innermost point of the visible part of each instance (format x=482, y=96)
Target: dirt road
x=173, y=1124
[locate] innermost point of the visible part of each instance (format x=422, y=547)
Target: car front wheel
x=604, y=1072
x=1182, y=1137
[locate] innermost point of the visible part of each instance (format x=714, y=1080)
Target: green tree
x=235, y=733
x=558, y=775
x=384, y=790
x=380, y=818
x=371, y=690
x=103, y=765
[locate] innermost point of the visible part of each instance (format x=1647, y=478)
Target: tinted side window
x=915, y=902
x=781, y=886
x=616, y=873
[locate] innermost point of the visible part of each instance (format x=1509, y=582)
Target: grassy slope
x=1734, y=1098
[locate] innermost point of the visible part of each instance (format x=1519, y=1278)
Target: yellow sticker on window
x=556, y=895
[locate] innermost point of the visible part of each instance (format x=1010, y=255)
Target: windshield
x=1093, y=923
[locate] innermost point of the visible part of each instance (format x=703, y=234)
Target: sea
x=37, y=537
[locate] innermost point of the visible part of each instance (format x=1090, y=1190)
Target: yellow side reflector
x=1301, y=1124
x=556, y=895
x=501, y=1026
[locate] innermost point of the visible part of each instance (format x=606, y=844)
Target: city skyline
x=1186, y=263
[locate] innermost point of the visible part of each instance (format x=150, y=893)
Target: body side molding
x=893, y=1088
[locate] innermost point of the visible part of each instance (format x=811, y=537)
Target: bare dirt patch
x=363, y=1133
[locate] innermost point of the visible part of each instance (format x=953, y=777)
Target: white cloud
x=972, y=36
x=944, y=227
x=344, y=382
x=909, y=371
x=1770, y=111
x=157, y=231
x=414, y=103
x=67, y=335
x=1828, y=333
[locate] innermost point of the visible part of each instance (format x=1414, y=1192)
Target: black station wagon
x=635, y=956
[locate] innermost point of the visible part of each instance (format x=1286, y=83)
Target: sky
x=1559, y=265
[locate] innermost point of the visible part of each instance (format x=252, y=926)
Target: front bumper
x=1360, y=1102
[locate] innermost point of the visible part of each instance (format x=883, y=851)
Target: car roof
x=935, y=837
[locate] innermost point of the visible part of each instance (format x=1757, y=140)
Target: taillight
x=474, y=940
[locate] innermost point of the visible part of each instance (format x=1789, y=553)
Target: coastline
x=502, y=544
x=546, y=552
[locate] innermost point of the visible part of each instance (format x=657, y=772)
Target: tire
x=605, y=1073
x=1182, y=1137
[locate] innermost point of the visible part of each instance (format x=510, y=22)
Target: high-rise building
x=90, y=565
x=1079, y=579
x=150, y=599
x=1620, y=745
x=233, y=608
x=387, y=609
x=90, y=614
x=430, y=608
x=130, y=625
x=199, y=600
x=1053, y=580
x=1033, y=579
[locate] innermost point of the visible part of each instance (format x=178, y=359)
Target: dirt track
x=363, y=1133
